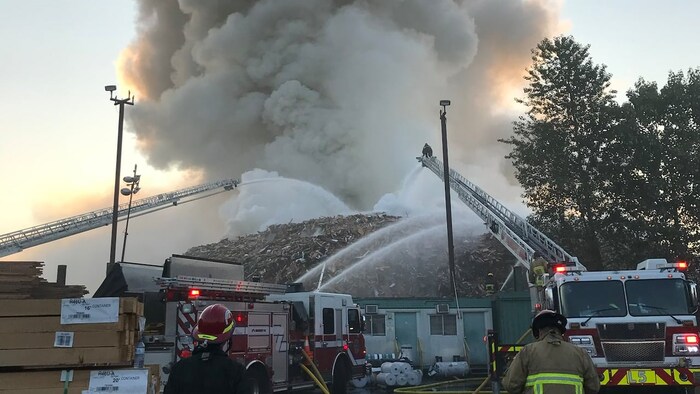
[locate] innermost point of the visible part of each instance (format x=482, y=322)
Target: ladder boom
x=19, y=240
x=515, y=233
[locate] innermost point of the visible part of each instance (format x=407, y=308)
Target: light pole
x=115, y=207
x=448, y=202
x=133, y=183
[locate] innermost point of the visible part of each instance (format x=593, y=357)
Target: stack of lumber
x=31, y=334
x=92, y=341
x=53, y=381
x=22, y=280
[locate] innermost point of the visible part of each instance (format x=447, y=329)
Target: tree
x=559, y=145
x=659, y=183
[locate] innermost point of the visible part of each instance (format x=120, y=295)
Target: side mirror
x=693, y=289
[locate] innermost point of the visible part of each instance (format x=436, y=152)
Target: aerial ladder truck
x=638, y=326
x=17, y=241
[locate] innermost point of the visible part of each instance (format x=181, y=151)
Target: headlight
x=585, y=342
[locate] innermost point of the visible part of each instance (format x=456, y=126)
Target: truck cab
x=638, y=326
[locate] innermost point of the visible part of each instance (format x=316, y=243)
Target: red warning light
x=194, y=293
x=560, y=269
x=682, y=265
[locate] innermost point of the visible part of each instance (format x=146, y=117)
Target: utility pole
x=448, y=203
x=115, y=207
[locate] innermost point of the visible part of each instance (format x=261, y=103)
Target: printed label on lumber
x=129, y=381
x=63, y=339
x=89, y=310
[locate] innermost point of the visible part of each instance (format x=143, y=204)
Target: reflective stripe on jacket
x=551, y=366
x=540, y=380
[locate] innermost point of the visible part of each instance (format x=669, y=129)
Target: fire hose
x=431, y=387
x=316, y=375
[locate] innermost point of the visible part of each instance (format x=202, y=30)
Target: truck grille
x=631, y=331
x=634, y=351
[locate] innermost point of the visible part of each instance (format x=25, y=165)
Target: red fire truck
x=274, y=326
x=638, y=325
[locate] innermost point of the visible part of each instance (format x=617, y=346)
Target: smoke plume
x=341, y=94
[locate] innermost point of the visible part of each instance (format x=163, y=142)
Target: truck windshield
x=593, y=299
x=657, y=297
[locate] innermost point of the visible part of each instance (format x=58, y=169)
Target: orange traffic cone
x=307, y=347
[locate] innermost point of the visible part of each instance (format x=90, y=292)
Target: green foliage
x=612, y=184
x=659, y=184
x=558, y=146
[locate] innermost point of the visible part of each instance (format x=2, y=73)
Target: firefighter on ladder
x=551, y=365
x=209, y=370
x=490, y=284
x=538, y=269
x=427, y=151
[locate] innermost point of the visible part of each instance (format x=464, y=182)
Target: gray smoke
x=342, y=94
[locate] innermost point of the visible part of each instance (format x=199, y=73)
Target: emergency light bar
x=663, y=265
x=563, y=267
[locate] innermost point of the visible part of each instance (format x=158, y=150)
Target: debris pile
x=402, y=258
x=284, y=252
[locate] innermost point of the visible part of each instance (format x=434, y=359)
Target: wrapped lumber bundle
x=69, y=333
x=78, y=381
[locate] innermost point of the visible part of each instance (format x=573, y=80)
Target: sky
x=58, y=128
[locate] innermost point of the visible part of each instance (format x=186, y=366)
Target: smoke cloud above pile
x=341, y=94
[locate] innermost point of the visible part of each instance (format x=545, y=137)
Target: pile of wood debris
x=402, y=258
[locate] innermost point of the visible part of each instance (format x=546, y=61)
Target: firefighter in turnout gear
x=490, y=284
x=427, y=151
x=209, y=370
x=538, y=269
x=551, y=365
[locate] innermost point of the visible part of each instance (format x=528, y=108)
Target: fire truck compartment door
x=279, y=347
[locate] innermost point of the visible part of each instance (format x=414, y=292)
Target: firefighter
x=209, y=370
x=539, y=268
x=551, y=365
x=427, y=151
x=490, y=284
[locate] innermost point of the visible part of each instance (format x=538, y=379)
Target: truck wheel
x=258, y=383
x=341, y=378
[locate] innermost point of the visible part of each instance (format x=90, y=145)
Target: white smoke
x=261, y=204
x=341, y=94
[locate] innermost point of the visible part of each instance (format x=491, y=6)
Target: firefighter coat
x=551, y=366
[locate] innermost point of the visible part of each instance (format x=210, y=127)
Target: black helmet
x=547, y=318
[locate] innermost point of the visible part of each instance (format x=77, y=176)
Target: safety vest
x=538, y=381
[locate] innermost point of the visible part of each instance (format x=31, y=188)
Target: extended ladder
x=184, y=282
x=514, y=232
x=19, y=240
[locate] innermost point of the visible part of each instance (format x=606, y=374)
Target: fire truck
x=639, y=326
x=286, y=338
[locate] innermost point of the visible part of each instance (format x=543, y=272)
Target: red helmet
x=215, y=325
x=547, y=318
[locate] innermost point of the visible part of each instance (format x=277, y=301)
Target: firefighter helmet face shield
x=548, y=318
x=215, y=325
